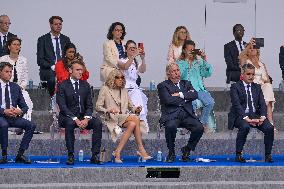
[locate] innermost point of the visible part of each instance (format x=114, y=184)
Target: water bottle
x=31, y=84
x=159, y=156
x=152, y=85
x=81, y=155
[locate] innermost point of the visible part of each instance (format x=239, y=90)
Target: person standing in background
x=49, y=51
x=180, y=35
x=231, y=55
x=5, y=35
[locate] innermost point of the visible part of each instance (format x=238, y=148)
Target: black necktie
x=249, y=102
x=241, y=47
x=57, y=49
x=4, y=41
x=77, y=93
x=15, y=73
x=7, y=97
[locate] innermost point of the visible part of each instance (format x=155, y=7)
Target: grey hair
x=170, y=65
x=246, y=67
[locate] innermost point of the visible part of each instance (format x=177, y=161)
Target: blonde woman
x=114, y=102
x=252, y=56
x=180, y=35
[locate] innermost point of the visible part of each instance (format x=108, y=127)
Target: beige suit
x=111, y=57
x=112, y=98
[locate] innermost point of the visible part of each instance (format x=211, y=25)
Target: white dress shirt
x=3, y=86
x=238, y=45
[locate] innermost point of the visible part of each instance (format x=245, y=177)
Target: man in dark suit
x=249, y=110
x=74, y=99
x=231, y=54
x=5, y=35
x=281, y=63
x=49, y=51
x=13, y=107
x=176, y=98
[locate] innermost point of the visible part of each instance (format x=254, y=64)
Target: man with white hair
x=176, y=98
x=5, y=35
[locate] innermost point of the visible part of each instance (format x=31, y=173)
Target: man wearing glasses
x=231, y=55
x=4, y=34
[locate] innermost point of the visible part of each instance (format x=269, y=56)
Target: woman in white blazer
x=20, y=70
x=113, y=49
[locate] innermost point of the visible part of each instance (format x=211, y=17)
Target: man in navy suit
x=49, y=51
x=13, y=107
x=75, y=102
x=249, y=111
x=231, y=54
x=5, y=35
x=176, y=98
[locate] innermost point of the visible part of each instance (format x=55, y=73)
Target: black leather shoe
x=240, y=158
x=185, y=157
x=268, y=158
x=171, y=157
x=70, y=160
x=22, y=159
x=4, y=160
x=95, y=160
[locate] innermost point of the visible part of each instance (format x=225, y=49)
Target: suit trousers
x=69, y=124
x=184, y=120
x=243, y=131
x=28, y=126
x=48, y=75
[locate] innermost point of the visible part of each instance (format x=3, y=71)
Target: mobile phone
x=197, y=52
x=141, y=46
x=259, y=42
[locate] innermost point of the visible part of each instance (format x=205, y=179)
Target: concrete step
x=210, y=144
x=153, y=185
x=41, y=100
x=198, y=176
x=43, y=120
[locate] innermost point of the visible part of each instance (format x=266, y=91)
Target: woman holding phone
x=180, y=35
x=131, y=68
x=194, y=67
x=113, y=49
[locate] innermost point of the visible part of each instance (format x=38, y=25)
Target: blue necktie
x=77, y=94
x=7, y=97
x=58, y=56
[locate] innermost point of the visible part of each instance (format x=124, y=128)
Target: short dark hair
x=5, y=64
x=111, y=28
x=237, y=25
x=246, y=67
x=77, y=61
x=53, y=18
x=10, y=41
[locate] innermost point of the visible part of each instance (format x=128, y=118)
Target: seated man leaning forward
x=13, y=107
x=176, y=98
x=249, y=111
x=75, y=102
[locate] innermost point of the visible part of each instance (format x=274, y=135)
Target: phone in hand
x=197, y=52
x=259, y=42
x=141, y=46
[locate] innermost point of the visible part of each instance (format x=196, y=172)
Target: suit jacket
x=112, y=98
x=16, y=98
x=68, y=101
x=111, y=56
x=4, y=50
x=171, y=105
x=281, y=57
x=21, y=67
x=45, y=51
x=231, y=55
x=239, y=102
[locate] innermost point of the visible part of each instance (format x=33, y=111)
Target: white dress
x=135, y=93
x=22, y=74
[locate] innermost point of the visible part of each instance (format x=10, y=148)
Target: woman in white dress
x=131, y=68
x=20, y=70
